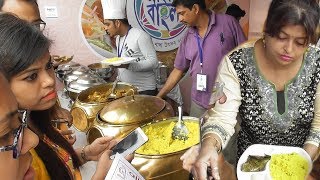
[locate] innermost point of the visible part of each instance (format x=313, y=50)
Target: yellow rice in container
x=288, y=167
x=160, y=141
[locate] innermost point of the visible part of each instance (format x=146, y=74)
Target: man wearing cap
x=131, y=42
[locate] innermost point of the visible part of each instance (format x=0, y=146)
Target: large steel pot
x=121, y=116
x=90, y=101
x=165, y=166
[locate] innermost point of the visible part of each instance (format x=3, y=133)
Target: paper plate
x=261, y=150
x=120, y=61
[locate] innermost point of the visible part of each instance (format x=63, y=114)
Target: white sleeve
x=149, y=60
x=314, y=135
x=222, y=118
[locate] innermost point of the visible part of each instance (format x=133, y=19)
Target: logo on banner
x=159, y=19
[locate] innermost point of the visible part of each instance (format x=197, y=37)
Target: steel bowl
x=82, y=83
x=64, y=69
x=75, y=74
x=103, y=70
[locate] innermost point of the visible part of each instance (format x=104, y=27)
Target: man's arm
x=149, y=59
x=172, y=81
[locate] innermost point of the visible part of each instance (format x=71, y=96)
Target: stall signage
x=159, y=19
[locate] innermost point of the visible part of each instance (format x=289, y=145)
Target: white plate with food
x=117, y=61
x=266, y=162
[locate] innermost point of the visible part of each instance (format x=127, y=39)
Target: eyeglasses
x=41, y=25
x=56, y=122
x=18, y=136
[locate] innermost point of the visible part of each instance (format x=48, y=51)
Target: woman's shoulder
x=242, y=48
x=313, y=49
x=313, y=54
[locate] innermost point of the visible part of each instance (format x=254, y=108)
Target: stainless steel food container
x=103, y=70
x=75, y=74
x=64, y=69
x=161, y=73
x=82, y=83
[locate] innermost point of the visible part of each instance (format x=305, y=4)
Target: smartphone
x=130, y=143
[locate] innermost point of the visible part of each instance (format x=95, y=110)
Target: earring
x=264, y=40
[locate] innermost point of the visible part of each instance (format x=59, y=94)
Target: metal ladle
x=180, y=130
x=112, y=95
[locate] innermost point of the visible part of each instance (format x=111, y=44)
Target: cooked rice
x=160, y=141
x=288, y=167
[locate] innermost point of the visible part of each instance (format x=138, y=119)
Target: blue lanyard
x=119, y=53
x=200, y=51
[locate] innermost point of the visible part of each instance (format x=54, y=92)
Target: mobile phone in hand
x=130, y=143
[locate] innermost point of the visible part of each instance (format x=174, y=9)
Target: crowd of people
x=271, y=87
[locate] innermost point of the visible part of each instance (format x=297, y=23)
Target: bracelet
x=83, y=154
x=215, y=144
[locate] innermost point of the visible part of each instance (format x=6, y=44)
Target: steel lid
x=132, y=109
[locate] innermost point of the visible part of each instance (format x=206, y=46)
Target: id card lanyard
x=201, y=78
x=119, y=50
x=200, y=53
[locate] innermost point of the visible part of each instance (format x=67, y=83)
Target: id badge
x=201, y=82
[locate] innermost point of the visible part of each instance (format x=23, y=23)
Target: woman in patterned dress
x=272, y=84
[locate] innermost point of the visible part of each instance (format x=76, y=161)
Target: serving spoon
x=180, y=130
x=112, y=95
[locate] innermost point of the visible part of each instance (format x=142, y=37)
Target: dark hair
x=235, y=11
x=2, y=3
x=21, y=45
x=293, y=12
x=54, y=165
x=124, y=21
x=189, y=3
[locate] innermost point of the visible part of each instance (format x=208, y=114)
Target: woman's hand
x=104, y=165
x=61, y=119
x=208, y=156
x=226, y=170
x=189, y=157
x=312, y=150
x=98, y=146
x=69, y=135
x=59, y=113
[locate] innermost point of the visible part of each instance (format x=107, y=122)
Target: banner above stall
x=159, y=19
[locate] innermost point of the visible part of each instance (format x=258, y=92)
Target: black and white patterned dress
x=261, y=122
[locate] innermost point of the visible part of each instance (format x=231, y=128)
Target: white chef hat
x=114, y=9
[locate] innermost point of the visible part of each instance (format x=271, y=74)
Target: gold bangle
x=83, y=154
x=215, y=144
